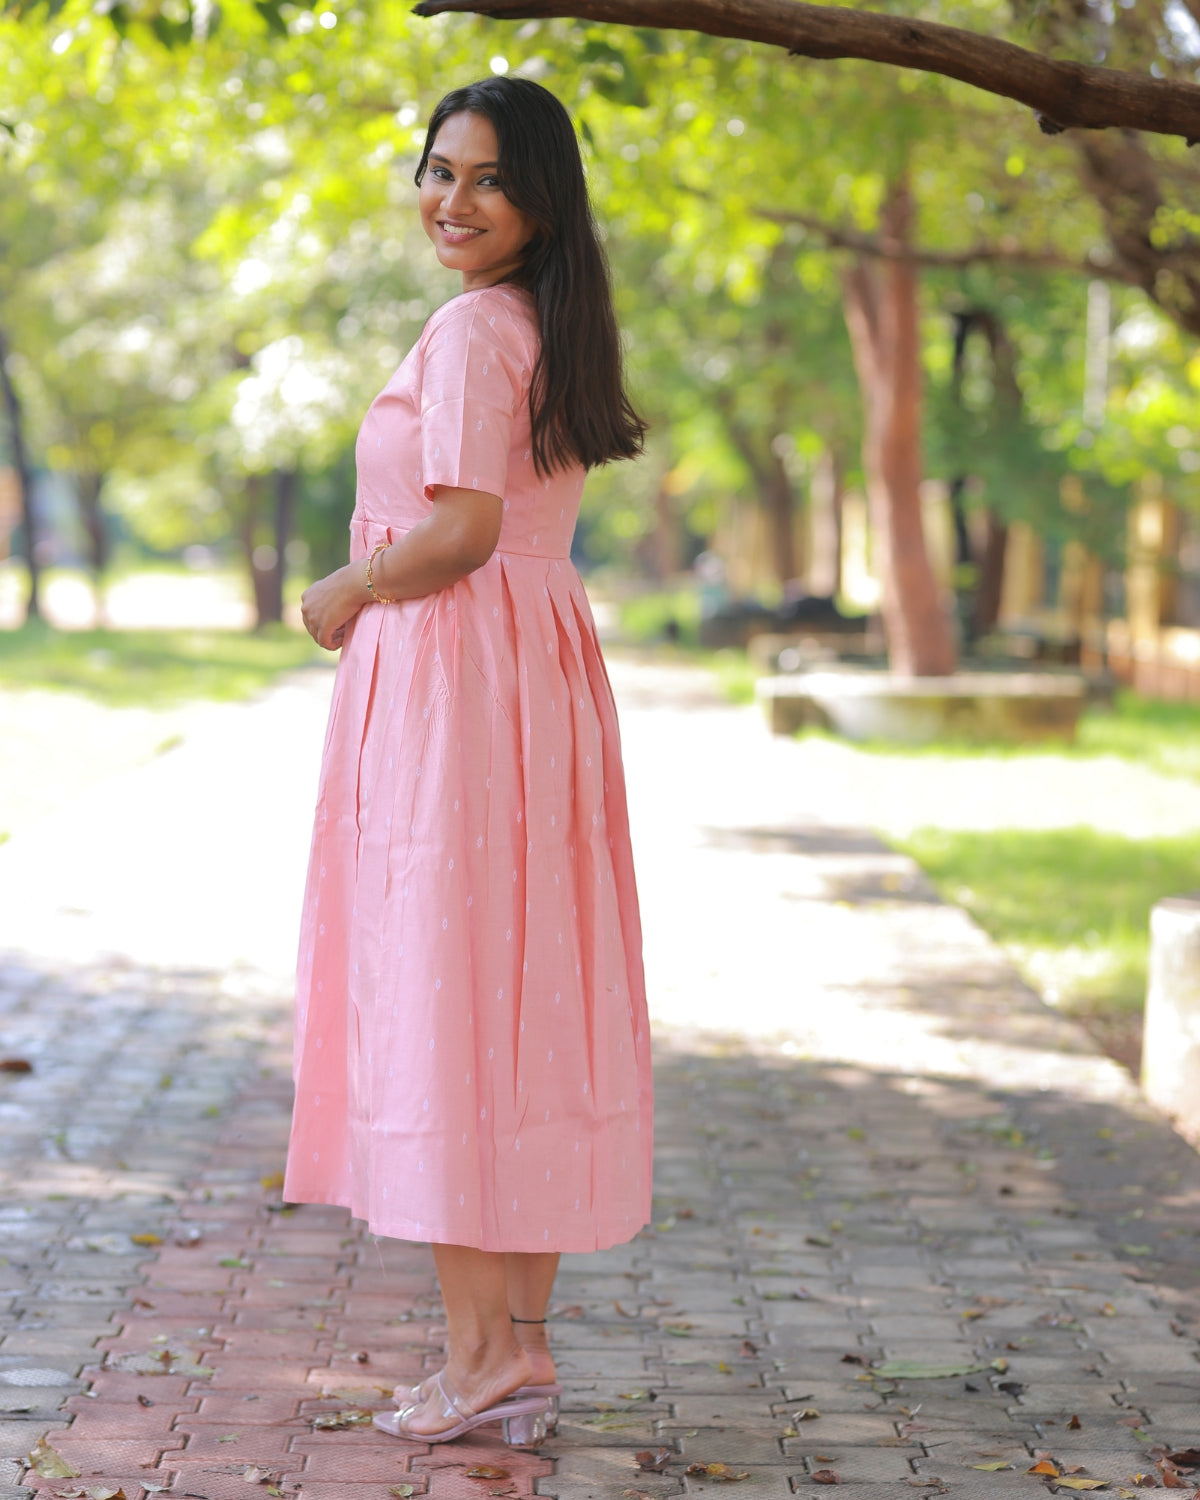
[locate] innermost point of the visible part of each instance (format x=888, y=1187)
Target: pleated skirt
x=472, y=1057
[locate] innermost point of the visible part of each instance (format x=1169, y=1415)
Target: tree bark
x=774, y=486
x=881, y=316
x=96, y=528
x=20, y=462
x=1062, y=94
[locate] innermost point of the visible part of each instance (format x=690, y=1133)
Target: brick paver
x=873, y=1145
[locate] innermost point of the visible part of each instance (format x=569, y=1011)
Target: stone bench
x=873, y=705
x=1171, y=1041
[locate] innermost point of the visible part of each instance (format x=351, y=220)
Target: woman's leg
x=530, y=1281
x=486, y=1363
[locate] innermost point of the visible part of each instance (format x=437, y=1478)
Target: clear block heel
x=527, y=1430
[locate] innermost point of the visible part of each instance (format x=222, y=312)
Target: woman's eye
x=489, y=181
x=443, y=174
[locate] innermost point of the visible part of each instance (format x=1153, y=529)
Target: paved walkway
x=879, y=1157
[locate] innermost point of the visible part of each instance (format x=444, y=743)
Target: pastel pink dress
x=472, y=1056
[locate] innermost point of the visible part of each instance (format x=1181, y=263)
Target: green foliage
x=1072, y=904
x=210, y=262
x=151, y=668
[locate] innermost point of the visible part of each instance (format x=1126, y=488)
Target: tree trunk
x=990, y=589
x=881, y=316
x=826, y=494
x=20, y=463
x=774, y=486
x=96, y=528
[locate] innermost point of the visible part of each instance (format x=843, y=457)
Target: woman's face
x=473, y=226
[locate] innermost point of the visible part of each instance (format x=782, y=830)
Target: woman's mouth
x=458, y=234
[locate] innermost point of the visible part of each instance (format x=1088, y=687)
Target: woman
x=472, y=1054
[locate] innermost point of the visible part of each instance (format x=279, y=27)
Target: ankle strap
x=511, y=1319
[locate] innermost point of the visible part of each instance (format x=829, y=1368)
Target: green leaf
x=915, y=1369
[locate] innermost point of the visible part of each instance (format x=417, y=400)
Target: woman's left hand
x=328, y=606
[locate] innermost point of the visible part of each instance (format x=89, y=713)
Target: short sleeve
x=473, y=381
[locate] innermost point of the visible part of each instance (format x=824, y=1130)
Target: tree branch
x=1062, y=94
x=837, y=238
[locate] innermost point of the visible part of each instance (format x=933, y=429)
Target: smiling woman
x=472, y=1051
x=475, y=229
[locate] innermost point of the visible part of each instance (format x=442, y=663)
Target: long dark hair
x=578, y=409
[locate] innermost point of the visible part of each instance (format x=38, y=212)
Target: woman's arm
x=458, y=536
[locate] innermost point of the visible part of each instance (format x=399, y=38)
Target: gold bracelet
x=378, y=598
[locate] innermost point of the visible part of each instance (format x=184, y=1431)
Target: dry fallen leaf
x=402, y=1491
x=106, y=1492
x=722, y=1473
x=1044, y=1466
x=749, y=1348
x=488, y=1471
x=826, y=1476
x=993, y=1468
x=253, y=1474
x=144, y=1401
x=853, y=1359
x=1074, y=1424
x=146, y=1239
x=809, y=1414
x=653, y=1460
x=15, y=1065
x=1081, y=1484
x=1184, y=1458
x=49, y=1462
x=1173, y=1481
x=335, y=1421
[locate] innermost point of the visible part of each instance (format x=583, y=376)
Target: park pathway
x=910, y=1230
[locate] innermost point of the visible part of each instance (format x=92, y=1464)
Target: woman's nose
x=458, y=199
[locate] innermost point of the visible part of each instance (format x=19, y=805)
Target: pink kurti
x=472, y=1054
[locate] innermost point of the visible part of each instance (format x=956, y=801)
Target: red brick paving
x=279, y=1304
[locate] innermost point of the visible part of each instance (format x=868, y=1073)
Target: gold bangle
x=378, y=598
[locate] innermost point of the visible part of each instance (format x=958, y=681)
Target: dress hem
x=533, y=1247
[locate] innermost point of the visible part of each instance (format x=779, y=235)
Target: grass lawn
x=1071, y=905
x=151, y=668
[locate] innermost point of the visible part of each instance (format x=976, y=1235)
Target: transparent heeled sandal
x=551, y=1394
x=522, y=1418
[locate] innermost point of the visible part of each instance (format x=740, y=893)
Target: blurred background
x=210, y=262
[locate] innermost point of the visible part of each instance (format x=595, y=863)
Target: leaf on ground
x=229, y=1437
x=49, y=1462
x=146, y=1239
x=271, y=1180
x=826, y=1476
x=1081, y=1484
x=853, y=1359
x=168, y=1361
x=915, y=1369
x=235, y=1262
x=993, y=1468
x=336, y=1421
x=76, y=1492
x=1172, y=1480
x=822, y=1242
x=106, y=1492
x=1137, y=1250
x=678, y=1330
x=1184, y=1458
x=972, y=1312
x=1074, y=1424
x=401, y=1491
x=933, y=1483
x=621, y=1311
x=574, y=1311
x=639, y=1393
x=15, y=1065
x=144, y=1401
x=488, y=1471
x=808, y=1414
x=653, y=1460
x=749, y=1348
x=722, y=1473
x=1000, y=1366
x=255, y=1474
x=1045, y=1466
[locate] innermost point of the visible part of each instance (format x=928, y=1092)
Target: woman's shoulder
x=507, y=312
